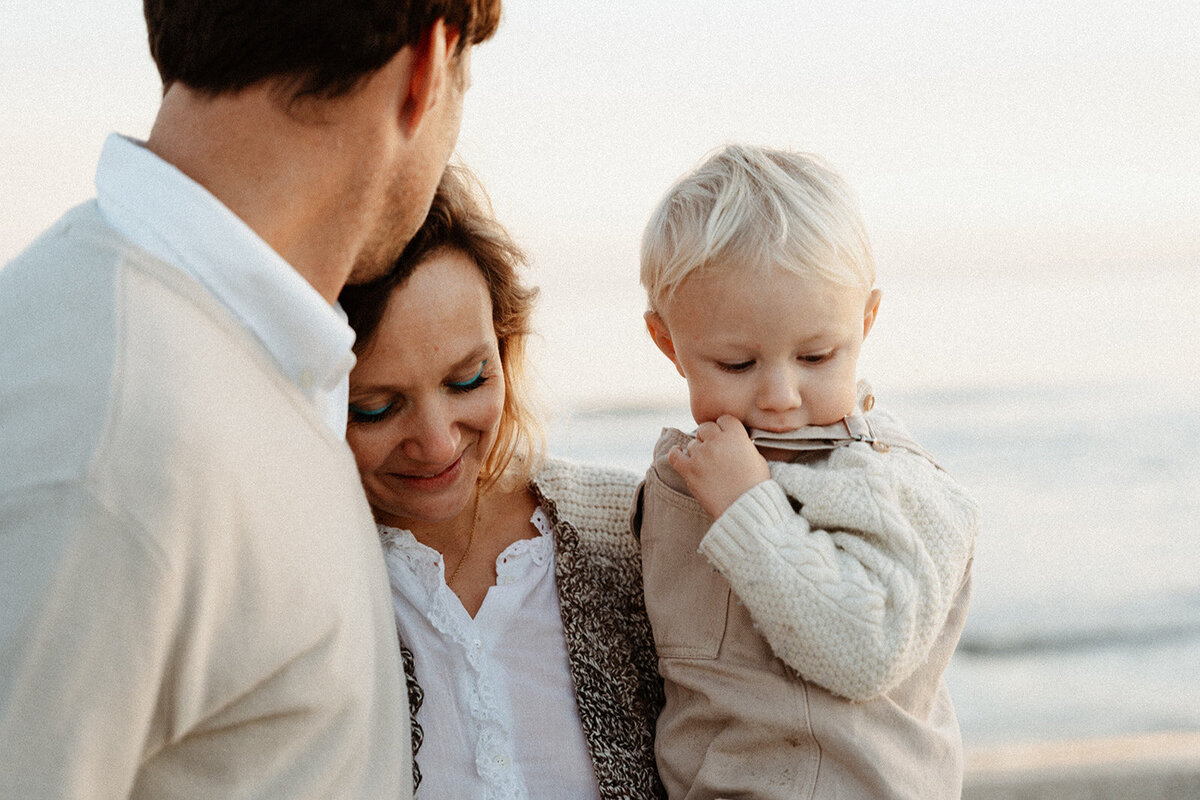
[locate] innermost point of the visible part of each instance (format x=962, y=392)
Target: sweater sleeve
x=84, y=635
x=852, y=590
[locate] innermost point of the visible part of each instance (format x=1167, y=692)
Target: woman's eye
x=472, y=383
x=740, y=366
x=368, y=415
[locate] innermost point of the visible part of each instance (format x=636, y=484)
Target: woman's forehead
x=440, y=316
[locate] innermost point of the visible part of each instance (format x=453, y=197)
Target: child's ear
x=661, y=335
x=871, y=311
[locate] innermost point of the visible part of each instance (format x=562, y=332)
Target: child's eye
x=817, y=358
x=357, y=414
x=740, y=366
x=472, y=383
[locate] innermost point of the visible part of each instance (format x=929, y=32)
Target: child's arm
x=852, y=591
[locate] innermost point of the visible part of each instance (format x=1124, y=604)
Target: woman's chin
x=402, y=501
x=417, y=515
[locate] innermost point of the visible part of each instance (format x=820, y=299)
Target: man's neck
x=290, y=179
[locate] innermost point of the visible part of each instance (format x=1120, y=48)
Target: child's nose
x=779, y=392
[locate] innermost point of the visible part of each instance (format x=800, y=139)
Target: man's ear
x=661, y=335
x=871, y=311
x=432, y=62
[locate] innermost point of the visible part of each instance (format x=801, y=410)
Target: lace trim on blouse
x=425, y=565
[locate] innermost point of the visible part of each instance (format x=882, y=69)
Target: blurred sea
x=1086, y=615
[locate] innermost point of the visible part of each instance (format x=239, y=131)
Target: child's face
x=776, y=350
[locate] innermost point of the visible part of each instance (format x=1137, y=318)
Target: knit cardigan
x=597, y=570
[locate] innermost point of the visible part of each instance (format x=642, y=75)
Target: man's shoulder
x=79, y=234
x=80, y=279
x=111, y=355
x=85, y=305
x=57, y=321
x=77, y=264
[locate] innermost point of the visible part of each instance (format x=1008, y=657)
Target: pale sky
x=1041, y=140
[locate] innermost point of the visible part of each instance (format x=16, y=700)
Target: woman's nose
x=433, y=438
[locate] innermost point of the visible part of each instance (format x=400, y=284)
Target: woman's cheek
x=483, y=409
x=370, y=446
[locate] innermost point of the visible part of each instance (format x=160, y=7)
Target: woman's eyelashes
x=368, y=415
x=472, y=383
x=361, y=414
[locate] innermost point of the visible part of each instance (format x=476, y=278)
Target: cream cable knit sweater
x=852, y=591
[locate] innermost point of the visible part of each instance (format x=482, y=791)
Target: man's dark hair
x=322, y=47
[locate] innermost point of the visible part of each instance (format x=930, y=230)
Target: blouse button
x=500, y=761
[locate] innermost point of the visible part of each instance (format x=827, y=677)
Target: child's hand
x=720, y=465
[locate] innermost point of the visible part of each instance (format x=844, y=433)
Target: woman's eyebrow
x=473, y=358
x=469, y=361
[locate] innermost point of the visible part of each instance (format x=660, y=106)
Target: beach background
x=1030, y=175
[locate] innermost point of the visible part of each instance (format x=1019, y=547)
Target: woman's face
x=427, y=394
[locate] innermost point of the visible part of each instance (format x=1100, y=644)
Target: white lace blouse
x=499, y=715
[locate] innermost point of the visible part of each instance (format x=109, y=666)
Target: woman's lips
x=430, y=483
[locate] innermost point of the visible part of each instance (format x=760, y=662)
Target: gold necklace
x=470, y=539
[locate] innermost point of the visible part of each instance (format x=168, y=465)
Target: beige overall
x=738, y=723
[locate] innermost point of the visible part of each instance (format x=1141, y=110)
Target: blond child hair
x=752, y=207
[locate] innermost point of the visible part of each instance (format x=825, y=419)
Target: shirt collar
x=166, y=213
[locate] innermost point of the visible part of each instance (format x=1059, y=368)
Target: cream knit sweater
x=852, y=590
x=192, y=598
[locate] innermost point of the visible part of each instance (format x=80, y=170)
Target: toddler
x=806, y=564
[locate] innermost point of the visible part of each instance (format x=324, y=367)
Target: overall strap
x=860, y=426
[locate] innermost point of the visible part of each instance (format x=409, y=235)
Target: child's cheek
x=712, y=398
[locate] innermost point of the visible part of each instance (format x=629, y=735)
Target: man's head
x=318, y=48
x=325, y=124
x=431, y=117
x=760, y=277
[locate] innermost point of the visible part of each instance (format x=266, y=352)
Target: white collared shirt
x=499, y=716
x=177, y=220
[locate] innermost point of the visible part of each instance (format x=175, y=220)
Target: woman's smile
x=431, y=481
